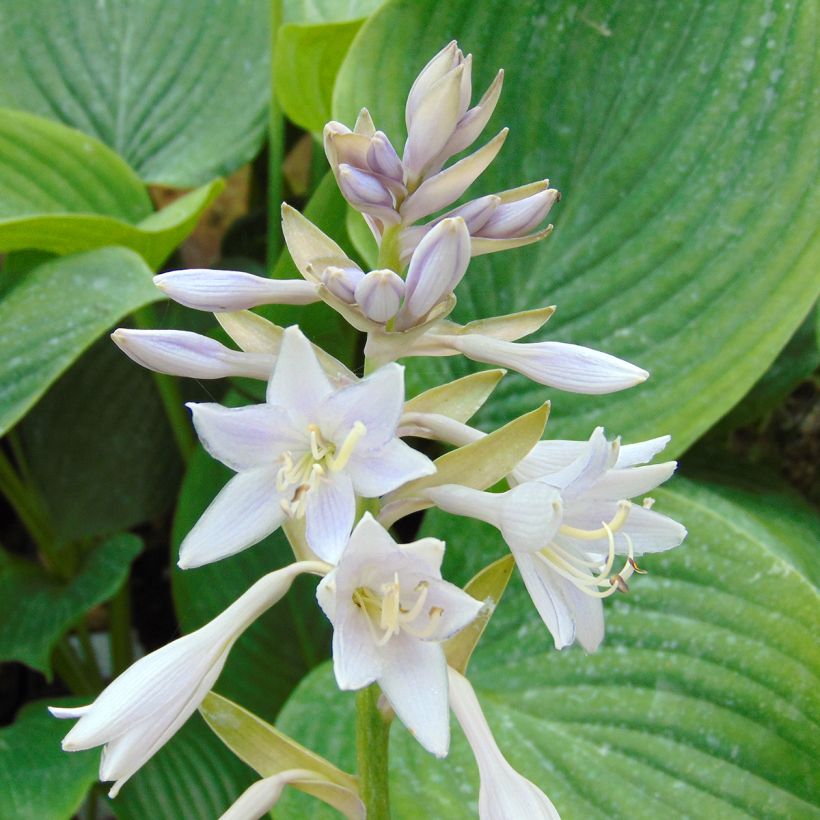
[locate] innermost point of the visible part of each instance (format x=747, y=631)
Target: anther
x=619, y=582
x=635, y=567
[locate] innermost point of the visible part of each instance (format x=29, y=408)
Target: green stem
x=119, y=624
x=71, y=669
x=389, y=250
x=90, y=659
x=372, y=737
x=168, y=388
x=28, y=510
x=276, y=148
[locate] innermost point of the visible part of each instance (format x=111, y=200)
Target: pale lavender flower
x=306, y=453
x=143, y=708
x=390, y=611
x=504, y=794
x=566, y=526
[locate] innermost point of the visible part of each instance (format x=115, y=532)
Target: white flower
x=565, y=525
x=504, y=794
x=306, y=453
x=142, y=709
x=390, y=611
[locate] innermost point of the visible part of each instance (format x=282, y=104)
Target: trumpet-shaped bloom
x=503, y=794
x=142, y=709
x=390, y=611
x=566, y=525
x=306, y=453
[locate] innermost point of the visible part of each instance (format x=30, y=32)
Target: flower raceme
x=390, y=611
x=304, y=454
x=143, y=708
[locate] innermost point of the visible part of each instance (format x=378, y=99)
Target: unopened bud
x=512, y=219
x=342, y=282
x=383, y=159
x=379, y=294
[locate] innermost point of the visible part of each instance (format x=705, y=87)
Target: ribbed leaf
x=702, y=702
x=179, y=90
x=55, y=312
x=63, y=191
x=101, y=425
x=684, y=142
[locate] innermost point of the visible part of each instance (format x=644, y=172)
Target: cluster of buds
x=324, y=456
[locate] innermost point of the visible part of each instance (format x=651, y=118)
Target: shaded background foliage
x=684, y=138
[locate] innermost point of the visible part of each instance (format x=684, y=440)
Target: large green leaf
x=102, y=425
x=63, y=191
x=194, y=777
x=55, y=312
x=178, y=89
x=42, y=608
x=38, y=780
x=286, y=642
x=684, y=141
x=702, y=702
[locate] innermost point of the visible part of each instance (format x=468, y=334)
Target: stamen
x=339, y=460
x=433, y=617
x=593, y=535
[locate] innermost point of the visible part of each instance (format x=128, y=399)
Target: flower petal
x=641, y=452
x=414, y=680
x=376, y=472
x=548, y=592
x=376, y=401
x=357, y=661
x=429, y=551
x=245, y=511
x=298, y=382
x=632, y=481
x=329, y=515
x=244, y=438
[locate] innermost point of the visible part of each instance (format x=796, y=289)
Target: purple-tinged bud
x=517, y=218
x=448, y=58
x=379, y=294
x=220, y=291
x=346, y=148
x=433, y=123
x=436, y=267
x=440, y=190
x=182, y=353
x=383, y=159
x=366, y=193
x=342, y=282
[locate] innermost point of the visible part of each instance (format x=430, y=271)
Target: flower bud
x=342, y=282
x=513, y=219
x=447, y=59
x=365, y=192
x=436, y=267
x=220, y=291
x=383, y=159
x=379, y=294
x=182, y=353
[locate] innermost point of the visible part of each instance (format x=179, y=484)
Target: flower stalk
x=372, y=741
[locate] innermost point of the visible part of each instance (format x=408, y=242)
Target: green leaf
x=193, y=777
x=55, y=312
x=38, y=780
x=702, y=702
x=681, y=138
x=45, y=608
x=307, y=59
x=327, y=11
x=179, y=90
x=101, y=425
x=63, y=191
x=287, y=641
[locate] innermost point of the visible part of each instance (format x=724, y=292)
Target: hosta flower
x=566, y=525
x=504, y=794
x=306, y=453
x=142, y=709
x=390, y=611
